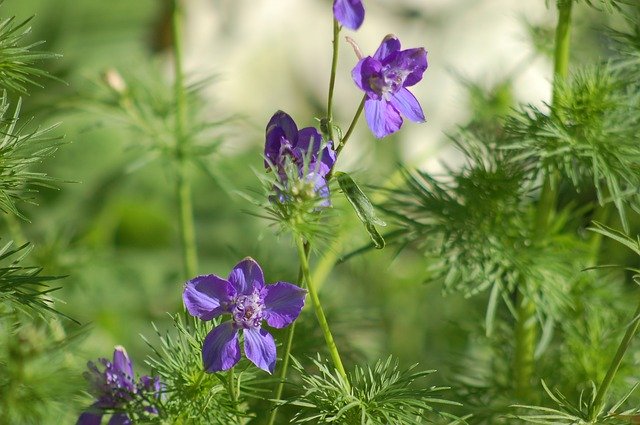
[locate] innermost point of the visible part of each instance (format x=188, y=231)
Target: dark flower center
x=247, y=310
x=389, y=81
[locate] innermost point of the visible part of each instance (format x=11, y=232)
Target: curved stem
x=287, y=351
x=598, y=402
x=344, y=140
x=183, y=185
x=233, y=394
x=332, y=79
x=322, y=320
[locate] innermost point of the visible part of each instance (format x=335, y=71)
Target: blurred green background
x=111, y=225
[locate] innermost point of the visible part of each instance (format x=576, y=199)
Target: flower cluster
x=249, y=301
x=300, y=158
x=115, y=388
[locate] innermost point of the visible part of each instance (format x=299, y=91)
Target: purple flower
x=385, y=78
x=304, y=149
x=350, y=13
x=249, y=301
x=115, y=387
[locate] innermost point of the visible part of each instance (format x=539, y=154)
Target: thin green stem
x=183, y=185
x=344, y=140
x=526, y=329
x=287, y=351
x=525, y=345
x=562, y=43
x=322, y=320
x=598, y=402
x=232, y=386
x=352, y=126
x=332, y=79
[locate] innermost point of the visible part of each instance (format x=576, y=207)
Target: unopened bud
x=114, y=80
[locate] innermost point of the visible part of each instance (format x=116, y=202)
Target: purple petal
x=221, y=349
x=308, y=139
x=246, y=276
x=405, y=102
x=389, y=45
x=260, y=348
x=382, y=118
x=122, y=362
x=283, y=303
x=350, y=13
x=367, y=71
x=205, y=296
x=120, y=419
x=280, y=126
x=89, y=418
x=412, y=60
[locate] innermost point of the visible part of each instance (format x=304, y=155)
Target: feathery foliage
x=379, y=394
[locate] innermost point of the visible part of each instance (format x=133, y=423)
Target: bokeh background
x=111, y=224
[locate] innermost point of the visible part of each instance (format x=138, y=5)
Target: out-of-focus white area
x=275, y=54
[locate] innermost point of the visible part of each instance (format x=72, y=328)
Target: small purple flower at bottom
x=249, y=301
x=115, y=387
x=385, y=78
x=350, y=13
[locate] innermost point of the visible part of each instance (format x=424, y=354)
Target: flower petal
x=120, y=419
x=389, y=45
x=221, y=349
x=260, y=348
x=280, y=126
x=405, y=102
x=122, y=362
x=89, y=418
x=350, y=13
x=382, y=118
x=205, y=296
x=413, y=61
x=246, y=276
x=368, y=71
x=283, y=303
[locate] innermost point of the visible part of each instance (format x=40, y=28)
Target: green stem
x=183, y=185
x=287, y=351
x=352, y=126
x=526, y=330
x=525, y=334
x=598, y=402
x=322, y=320
x=561, y=53
x=332, y=79
x=232, y=387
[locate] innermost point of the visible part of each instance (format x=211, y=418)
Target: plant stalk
x=332, y=79
x=598, y=402
x=322, y=320
x=287, y=351
x=183, y=184
x=526, y=330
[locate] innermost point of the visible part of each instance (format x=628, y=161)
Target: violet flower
x=115, y=387
x=350, y=13
x=249, y=301
x=305, y=149
x=385, y=78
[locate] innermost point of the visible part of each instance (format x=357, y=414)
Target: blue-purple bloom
x=249, y=301
x=304, y=149
x=385, y=78
x=115, y=387
x=350, y=13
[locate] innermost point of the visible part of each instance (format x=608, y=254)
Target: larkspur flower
x=350, y=13
x=115, y=387
x=249, y=301
x=304, y=149
x=384, y=78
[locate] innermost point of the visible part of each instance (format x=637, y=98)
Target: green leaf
x=362, y=206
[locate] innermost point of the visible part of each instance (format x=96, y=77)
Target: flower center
x=389, y=81
x=247, y=311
